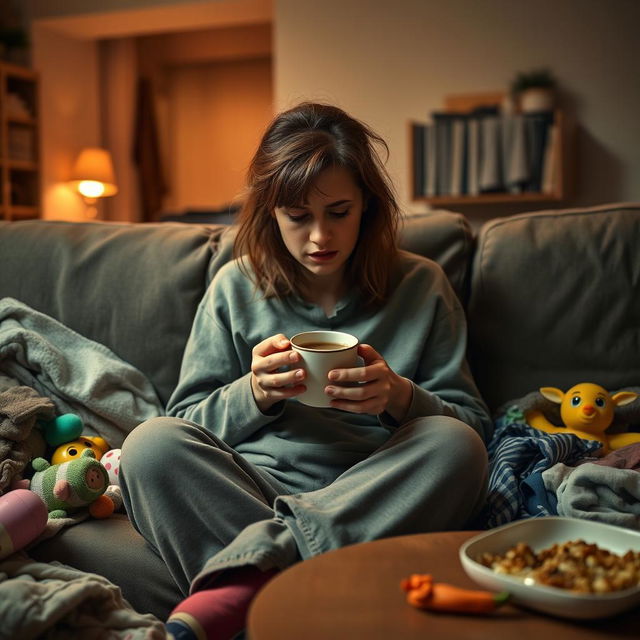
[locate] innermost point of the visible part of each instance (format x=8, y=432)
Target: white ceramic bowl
x=540, y=533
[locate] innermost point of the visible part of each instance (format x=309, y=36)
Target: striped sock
x=219, y=613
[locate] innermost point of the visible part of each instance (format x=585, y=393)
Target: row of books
x=485, y=151
x=21, y=143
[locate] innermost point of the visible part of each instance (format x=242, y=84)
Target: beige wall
x=69, y=116
x=217, y=113
x=93, y=57
x=394, y=60
x=388, y=62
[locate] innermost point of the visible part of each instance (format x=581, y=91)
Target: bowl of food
x=566, y=567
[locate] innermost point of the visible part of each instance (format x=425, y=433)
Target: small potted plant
x=534, y=90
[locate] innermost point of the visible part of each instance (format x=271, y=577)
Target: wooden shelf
x=464, y=104
x=492, y=198
x=19, y=143
x=23, y=213
x=21, y=165
x=25, y=120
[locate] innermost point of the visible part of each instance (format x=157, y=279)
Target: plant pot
x=536, y=99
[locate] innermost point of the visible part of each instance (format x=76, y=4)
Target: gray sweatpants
x=204, y=508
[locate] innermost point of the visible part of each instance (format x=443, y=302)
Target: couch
x=553, y=298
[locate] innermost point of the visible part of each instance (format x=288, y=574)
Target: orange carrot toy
x=424, y=593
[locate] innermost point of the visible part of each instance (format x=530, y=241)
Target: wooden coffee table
x=355, y=593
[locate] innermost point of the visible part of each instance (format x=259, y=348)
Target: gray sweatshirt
x=420, y=332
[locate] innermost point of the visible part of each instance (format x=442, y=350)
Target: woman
x=264, y=481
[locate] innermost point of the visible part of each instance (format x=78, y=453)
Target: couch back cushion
x=133, y=288
x=555, y=300
x=443, y=236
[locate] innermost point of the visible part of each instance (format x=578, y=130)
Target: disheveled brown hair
x=297, y=146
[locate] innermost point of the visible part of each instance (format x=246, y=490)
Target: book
x=537, y=126
x=417, y=141
x=473, y=156
x=490, y=179
x=517, y=174
x=458, y=183
x=431, y=160
x=551, y=161
x=442, y=126
x=21, y=144
x=425, y=157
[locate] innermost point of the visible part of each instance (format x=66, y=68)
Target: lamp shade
x=92, y=174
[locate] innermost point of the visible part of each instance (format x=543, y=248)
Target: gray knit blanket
x=77, y=374
x=53, y=601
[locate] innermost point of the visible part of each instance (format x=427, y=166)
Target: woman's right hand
x=269, y=385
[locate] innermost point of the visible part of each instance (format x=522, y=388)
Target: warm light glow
x=91, y=188
x=92, y=175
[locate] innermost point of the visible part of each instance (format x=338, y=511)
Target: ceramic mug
x=320, y=352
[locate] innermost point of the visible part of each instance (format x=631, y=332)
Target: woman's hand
x=267, y=383
x=379, y=388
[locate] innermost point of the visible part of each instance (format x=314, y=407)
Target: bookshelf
x=551, y=186
x=19, y=143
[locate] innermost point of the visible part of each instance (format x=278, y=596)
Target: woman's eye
x=339, y=214
x=297, y=217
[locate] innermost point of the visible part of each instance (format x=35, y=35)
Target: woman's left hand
x=378, y=387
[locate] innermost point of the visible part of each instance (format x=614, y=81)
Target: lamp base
x=91, y=208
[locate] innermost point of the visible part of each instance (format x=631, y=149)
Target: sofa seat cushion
x=114, y=549
x=555, y=301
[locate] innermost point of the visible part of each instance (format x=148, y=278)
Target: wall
x=214, y=98
x=66, y=116
x=231, y=104
x=388, y=62
x=73, y=43
x=391, y=61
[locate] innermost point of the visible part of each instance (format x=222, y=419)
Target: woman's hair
x=297, y=146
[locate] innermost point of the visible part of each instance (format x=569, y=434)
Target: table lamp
x=93, y=177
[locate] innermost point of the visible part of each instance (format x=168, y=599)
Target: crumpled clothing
x=20, y=408
x=51, y=601
x=596, y=492
x=518, y=451
x=79, y=375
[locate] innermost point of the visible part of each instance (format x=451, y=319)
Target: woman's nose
x=319, y=233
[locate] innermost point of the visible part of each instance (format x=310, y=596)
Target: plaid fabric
x=517, y=451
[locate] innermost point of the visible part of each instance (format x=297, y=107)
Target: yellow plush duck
x=587, y=411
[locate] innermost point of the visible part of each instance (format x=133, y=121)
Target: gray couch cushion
x=555, y=301
x=133, y=288
x=447, y=238
x=443, y=236
x=114, y=549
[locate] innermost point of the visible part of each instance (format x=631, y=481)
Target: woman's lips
x=323, y=256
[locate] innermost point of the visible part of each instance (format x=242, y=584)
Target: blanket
x=53, y=601
x=20, y=408
x=79, y=375
x=517, y=452
x=596, y=492
x=520, y=457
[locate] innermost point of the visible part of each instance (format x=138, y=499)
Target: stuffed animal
x=68, y=486
x=23, y=517
x=586, y=411
x=111, y=462
x=74, y=449
x=63, y=428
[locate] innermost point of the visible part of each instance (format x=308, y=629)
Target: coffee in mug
x=322, y=351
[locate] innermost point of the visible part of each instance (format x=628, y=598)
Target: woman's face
x=322, y=232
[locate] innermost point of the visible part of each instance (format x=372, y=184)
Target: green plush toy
x=68, y=486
